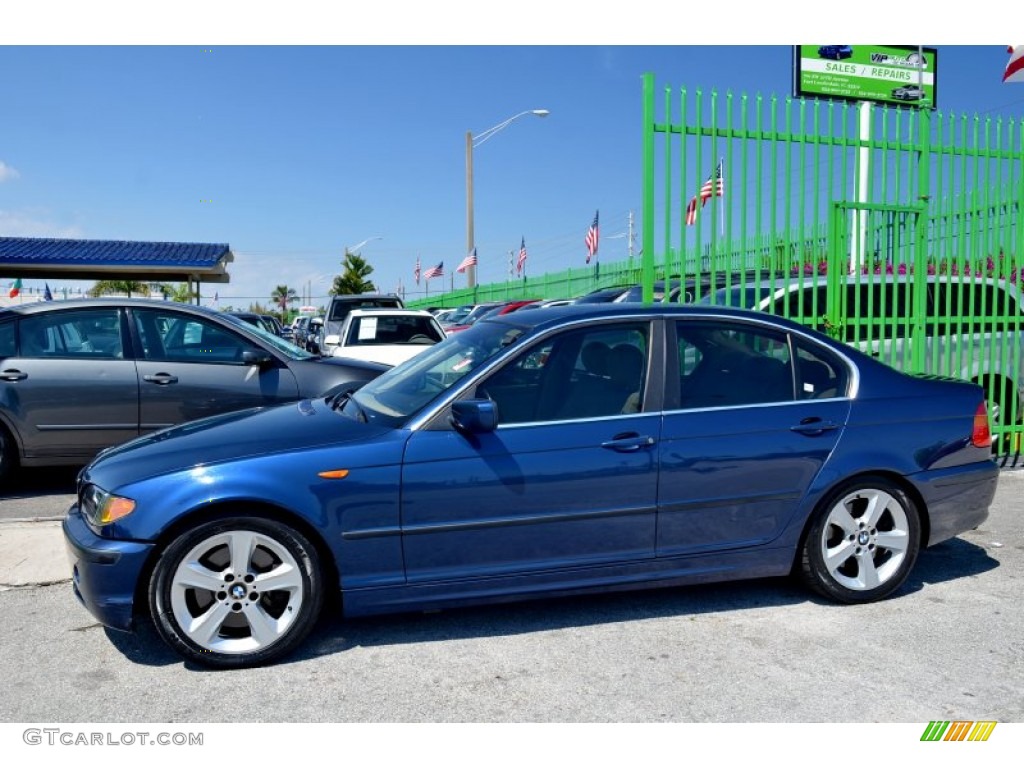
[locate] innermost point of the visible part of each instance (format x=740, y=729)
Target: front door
x=567, y=480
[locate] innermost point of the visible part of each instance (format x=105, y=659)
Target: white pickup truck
x=389, y=336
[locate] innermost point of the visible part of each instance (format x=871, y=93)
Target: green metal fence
x=553, y=285
x=896, y=230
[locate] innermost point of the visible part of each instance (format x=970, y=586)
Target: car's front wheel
x=863, y=542
x=236, y=592
x=8, y=457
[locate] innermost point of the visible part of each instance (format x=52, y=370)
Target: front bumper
x=104, y=572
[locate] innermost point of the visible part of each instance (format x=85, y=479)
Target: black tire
x=8, y=456
x=1004, y=412
x=863, y=542
x=230, y=555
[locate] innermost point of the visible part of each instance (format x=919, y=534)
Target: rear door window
x=90, y=333
x=731, y=364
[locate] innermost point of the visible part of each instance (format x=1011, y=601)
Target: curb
x=32, y=554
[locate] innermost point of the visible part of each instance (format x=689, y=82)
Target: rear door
x=751, y=422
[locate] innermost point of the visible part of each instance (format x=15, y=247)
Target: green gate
x=896, y=230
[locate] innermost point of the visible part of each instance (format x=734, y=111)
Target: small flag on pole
x=713, y=187
x=437, y=271
x=47, y=296
x=416, y=271
x=592, y=238
x=1015, y=66
x=15, y=288
x=521, y=261
x=469, y=261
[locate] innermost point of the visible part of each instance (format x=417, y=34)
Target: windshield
x=458, y=315
x=271, y=339
x=740, y=297
x=399, y=393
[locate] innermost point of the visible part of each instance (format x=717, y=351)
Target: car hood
x=385, y=354
x=241, y=434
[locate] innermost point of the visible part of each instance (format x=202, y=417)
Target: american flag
x=437, y=271
x=521, y=262
x=592, y=238
x=416, y=271
x=1015, y=66
x=469, y=261
x=713, y=187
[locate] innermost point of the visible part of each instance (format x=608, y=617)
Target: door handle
x=626, y=443
x=12, y=374
x=813, y=425
x=161, y=378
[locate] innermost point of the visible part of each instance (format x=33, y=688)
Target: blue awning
x=29, y=257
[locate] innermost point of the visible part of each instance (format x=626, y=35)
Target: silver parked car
x=79, y=376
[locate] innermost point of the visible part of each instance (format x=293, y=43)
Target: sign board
x=904, y=75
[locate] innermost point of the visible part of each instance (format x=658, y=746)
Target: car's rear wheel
x=863, y=542
x=236, y=592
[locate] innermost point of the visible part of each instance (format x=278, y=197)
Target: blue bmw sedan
x=580, y=448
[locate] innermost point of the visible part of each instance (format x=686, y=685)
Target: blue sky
x=290, y=153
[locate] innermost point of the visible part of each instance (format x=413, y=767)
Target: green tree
x=109, y=287
x=352, y=279
x=282, y=297
x=179, y=292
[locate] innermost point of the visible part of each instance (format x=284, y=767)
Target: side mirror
x=256, y=357
x=475, y=416
x=333, y=340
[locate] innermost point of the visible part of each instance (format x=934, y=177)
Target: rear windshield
x=341, y=308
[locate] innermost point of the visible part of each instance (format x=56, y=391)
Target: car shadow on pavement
x=38, y=481
x=333, y=634
x=949, y=561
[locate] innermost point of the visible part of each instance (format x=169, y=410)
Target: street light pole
x=471, y=143
x=470, y=242
x=355, y=248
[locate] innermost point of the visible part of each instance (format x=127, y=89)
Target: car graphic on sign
x=836, y=52
x=908, y=93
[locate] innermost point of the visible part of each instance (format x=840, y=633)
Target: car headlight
x=101, y=508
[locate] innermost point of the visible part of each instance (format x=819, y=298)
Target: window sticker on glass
x=462, y=363
x=368, y=329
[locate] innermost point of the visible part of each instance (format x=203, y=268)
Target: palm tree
x=352, y=279
x=107, y=287
x=179, y=292
x=282, y=297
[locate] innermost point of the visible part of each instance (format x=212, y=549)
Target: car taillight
x=981, y=437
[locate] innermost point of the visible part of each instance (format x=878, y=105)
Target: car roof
x=107, y=301
x=544, y=317
x=389, y=311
